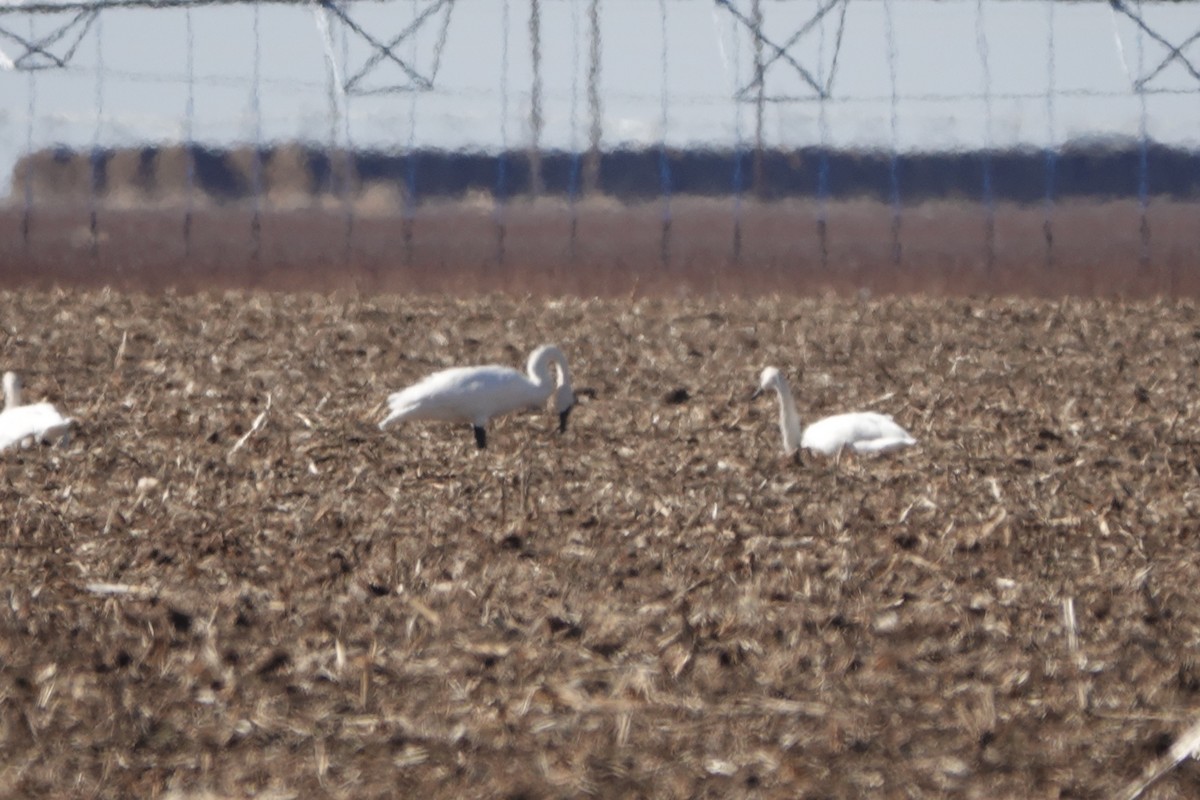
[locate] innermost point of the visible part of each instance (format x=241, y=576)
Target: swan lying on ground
x=860, y=431
x=20, y=424
x=476, y=394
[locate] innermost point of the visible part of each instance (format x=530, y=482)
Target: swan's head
x=540, y=361
x=768, y=380
x=564, y=401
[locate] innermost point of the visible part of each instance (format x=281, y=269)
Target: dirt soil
x=230, y=583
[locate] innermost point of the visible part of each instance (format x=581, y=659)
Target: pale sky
x=964, y=74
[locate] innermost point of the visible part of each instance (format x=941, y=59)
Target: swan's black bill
x=757, y=393
x=480, y=437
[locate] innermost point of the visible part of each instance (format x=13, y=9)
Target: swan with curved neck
x=477, y=394
x=20, y=424
x=860, y=431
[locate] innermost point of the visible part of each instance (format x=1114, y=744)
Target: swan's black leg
x=480, y=437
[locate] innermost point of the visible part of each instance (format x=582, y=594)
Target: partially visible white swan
x=476, y=394
x=20, y=424
x=860, y=431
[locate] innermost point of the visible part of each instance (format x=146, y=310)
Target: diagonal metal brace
x=386, y=51
x=1173, y=53
x=781, y=51
x=38, y=54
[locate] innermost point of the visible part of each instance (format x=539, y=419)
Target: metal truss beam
x=1174, y=52
x=385, y=52
x=55, y=49
x=782, y=52
x=36, y=52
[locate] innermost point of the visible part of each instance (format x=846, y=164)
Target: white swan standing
x=476, y=394
x=20, y=424
x=860, y=431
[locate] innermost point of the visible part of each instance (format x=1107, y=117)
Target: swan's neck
x=789, y=418
x=12, y=391
x=539, y=368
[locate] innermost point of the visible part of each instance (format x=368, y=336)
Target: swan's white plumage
x=20, y=424
x=863, y=431
x=475, y=395
x=860, y=431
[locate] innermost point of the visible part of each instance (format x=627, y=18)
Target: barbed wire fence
x=552, y=91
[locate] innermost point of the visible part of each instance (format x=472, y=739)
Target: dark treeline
x=1101, y=171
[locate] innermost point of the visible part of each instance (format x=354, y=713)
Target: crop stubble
x=231, y=583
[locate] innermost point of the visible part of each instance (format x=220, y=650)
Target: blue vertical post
x=1143, y=147
x=823, y=157
x=31, y=110
x=760, y=84
x=739, y=187
x=325, y=19
x=1051, y=153
x=989, y=202
x=664, y=165
x=97, y=157
x=739, y=172
x=409, y=213
x=894, y=161
x=592, y=162
x=1144, y=181
x=189, y=120
x=410, y=192
x=575, y=159
x=256, y=166
x=349, y=161
x=536, y=118
x=502, y=158
x=349, y=158
x=823, y=199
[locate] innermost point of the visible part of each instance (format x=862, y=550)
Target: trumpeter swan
x=860, y=431
x=476, y=394
x=21, y=423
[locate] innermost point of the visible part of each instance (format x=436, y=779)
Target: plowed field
x=230, y=583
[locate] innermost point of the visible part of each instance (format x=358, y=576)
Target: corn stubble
x=231, y=584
